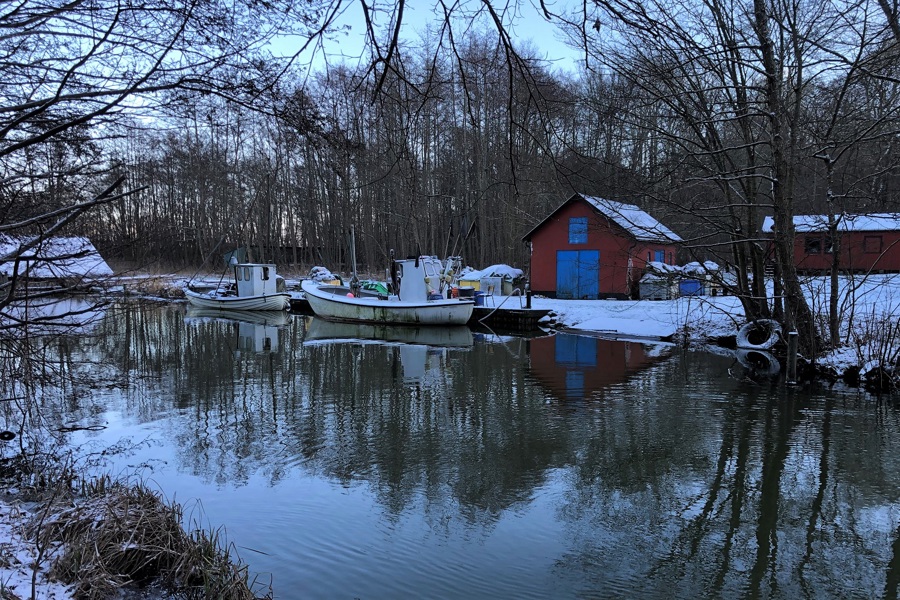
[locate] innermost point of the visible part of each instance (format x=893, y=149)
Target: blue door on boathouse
x=578, y=274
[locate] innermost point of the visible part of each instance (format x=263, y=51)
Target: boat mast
x=354, y=280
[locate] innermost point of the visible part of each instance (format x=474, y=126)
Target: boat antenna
x=449, y=235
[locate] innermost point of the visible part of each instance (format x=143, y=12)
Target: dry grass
x=162, y=287
x=123, y=535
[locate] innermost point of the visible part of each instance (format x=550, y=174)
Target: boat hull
x=262, y=302
x=331, y=302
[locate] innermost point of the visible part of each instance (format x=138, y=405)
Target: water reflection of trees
x=678, y=481
x=755, y=496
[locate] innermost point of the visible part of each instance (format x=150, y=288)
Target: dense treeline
x=190, y=138
x=478, y=150
x=438, y=157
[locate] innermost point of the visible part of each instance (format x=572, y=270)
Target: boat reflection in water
x=421, y=349
x=574, y=367
x=451, y=336
x=257, y=330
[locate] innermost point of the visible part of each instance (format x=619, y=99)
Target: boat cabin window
x=246, y=274
x=430, y=268
x=265, y=273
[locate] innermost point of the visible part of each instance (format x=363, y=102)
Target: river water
x=372, y=463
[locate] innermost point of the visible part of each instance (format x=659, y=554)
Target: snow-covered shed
x=591, y=247
x=55, y=260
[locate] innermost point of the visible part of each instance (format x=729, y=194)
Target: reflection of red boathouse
x=574, y=366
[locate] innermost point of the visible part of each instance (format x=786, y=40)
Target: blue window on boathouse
x=578, y=230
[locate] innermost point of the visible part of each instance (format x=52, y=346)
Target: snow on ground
x=697, y=317
x=19, y=560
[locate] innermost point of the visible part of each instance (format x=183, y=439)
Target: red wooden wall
x=860, y=251
x=614, y=244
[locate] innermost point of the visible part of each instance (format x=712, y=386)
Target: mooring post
x=527, y=295
x=793, y=343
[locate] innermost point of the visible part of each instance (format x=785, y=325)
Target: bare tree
x=79, y=74
x=729, y=83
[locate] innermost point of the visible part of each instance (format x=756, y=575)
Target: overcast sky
x=526, y=25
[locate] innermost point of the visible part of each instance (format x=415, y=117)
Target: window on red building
x=872, y=244
x=812, y=245
x=578, y=230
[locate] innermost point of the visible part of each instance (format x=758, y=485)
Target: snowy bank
x=692, y=318
x=869, y=310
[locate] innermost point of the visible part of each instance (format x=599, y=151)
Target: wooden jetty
x=510, y=319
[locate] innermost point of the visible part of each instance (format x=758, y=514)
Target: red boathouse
x=868, y=243
x=590, y=248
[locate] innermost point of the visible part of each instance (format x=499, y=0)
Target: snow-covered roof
x=812, y=223
x=54, y=258
x=629, y=217
x=633, y=220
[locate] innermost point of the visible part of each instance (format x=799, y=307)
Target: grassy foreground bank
x=62, y=538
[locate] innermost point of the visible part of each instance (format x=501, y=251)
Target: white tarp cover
x=503, y=271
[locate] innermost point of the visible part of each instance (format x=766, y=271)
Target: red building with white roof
x=867, y=242
x=591, y=248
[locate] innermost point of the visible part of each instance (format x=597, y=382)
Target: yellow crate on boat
x=472, y=283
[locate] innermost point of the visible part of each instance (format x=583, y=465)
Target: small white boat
x=255, y=289
x=419, y=300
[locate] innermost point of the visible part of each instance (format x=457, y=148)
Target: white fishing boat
x=255, y=288
x=419, y=298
